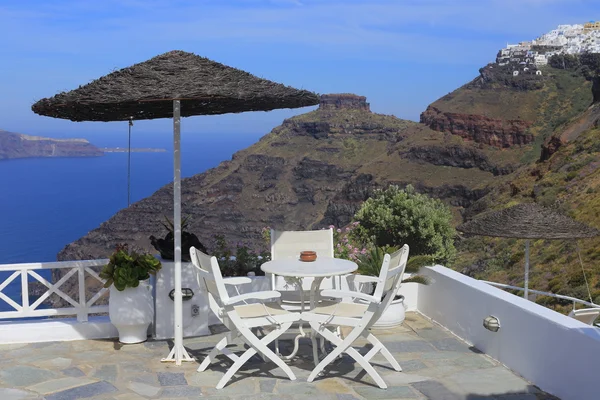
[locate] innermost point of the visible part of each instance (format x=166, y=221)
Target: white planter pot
x=131, y=311
x=393, y=316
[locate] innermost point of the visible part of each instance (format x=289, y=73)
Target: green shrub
x=126, y=269
x=394, y=217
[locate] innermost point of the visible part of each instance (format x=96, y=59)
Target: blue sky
x=401, y=54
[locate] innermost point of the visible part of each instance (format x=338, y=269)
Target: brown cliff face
x=15, y=145
x=478, y=128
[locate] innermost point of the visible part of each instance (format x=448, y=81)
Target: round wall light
x=491, y=323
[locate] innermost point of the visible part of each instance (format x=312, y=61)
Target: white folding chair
x=289, y=244
x=240, y=317
x=360, y=315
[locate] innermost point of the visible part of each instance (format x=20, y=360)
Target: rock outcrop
x=16, y=145
x=344, y=101
x=478, y=128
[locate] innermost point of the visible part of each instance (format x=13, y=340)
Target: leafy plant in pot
x=370, y=264
x=130, y=305
x=166, y=246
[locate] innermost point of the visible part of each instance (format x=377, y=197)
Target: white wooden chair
x=586, y=315
x=241, y=317
x=360, y=315
x=289, y=244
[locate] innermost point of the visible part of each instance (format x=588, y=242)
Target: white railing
x=81, y=308
x=558, y=296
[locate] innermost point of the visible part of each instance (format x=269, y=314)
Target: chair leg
x=257, y=346
x=384, y=351
x=213, y=353
x=234, y=368
x=260, y=346
x=341, y=347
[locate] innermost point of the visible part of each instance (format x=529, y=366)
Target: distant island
x=17, y=145
x=137, y=150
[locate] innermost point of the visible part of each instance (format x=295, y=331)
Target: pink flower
x=332, y=226
x=339, y=230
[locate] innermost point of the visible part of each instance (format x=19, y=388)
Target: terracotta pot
x=308, y=256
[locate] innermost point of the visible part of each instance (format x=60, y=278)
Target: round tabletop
x=321, y=267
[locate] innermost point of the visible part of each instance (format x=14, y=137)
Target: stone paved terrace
x=436, y=366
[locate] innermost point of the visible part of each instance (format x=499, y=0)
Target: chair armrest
x=271, y=294
x=348, y=293
x=237, y=280
x=365, y=279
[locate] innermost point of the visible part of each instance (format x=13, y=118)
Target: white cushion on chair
x=257, y=310
x=340, y=309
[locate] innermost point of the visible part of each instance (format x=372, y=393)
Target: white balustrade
x=81, y=308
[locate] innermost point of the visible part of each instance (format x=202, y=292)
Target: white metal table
x=295, y=270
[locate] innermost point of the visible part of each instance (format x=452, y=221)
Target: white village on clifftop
x=566, y=39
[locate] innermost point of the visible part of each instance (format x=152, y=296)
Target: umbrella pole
x=526, y=295
x=178, y=353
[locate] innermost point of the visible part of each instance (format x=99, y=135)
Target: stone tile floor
x=436, y=366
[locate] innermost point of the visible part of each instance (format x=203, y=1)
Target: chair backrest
x=392, y=271
x=586, y=315
x=289, y=244
x=208, y=273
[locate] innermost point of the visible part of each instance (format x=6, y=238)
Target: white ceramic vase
x=131, y=311
x=393, y=316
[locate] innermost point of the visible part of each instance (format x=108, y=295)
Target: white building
x=540, y=59
x=565, y=39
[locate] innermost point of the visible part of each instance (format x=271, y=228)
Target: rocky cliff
x=518, y=113
x=313, y=170
x=16, y=145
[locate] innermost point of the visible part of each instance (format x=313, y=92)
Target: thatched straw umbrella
x=528, y=221
x=173, y=85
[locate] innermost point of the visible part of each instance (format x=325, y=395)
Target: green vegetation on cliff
x=570, y=182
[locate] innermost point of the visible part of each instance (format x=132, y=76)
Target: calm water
x=47, y=203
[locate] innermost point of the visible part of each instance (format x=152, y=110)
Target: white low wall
x=63, y=329
x=556, y=353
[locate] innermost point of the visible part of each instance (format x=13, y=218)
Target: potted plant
x=166, y=246
x=130, y=305
x=370, y=264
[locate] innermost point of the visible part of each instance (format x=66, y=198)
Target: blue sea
x=46, y=203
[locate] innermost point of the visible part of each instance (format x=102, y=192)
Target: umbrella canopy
x=528, y=221
x=147, y=90
x=172, y=85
